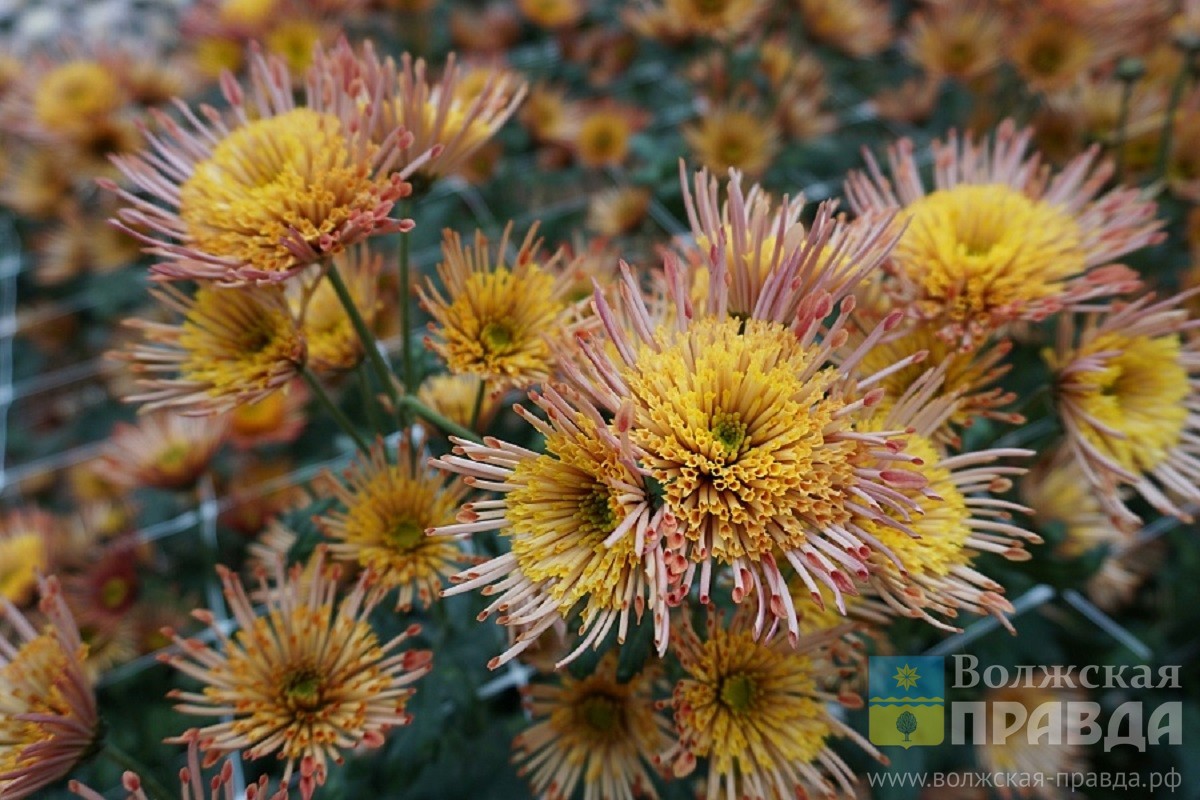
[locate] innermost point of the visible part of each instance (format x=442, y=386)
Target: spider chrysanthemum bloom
x=386, y=509
x=195, y=785
x=304, y=680
x=26, y=540
x=618, y=211
x=277, y=418
x=232, y=347
x=70, y=97
x=763, y=256
x=857, y=28
x=552, y=14
x=1050, y=53
x=718, y=19
x=48, y=718
x=729, y=137
x=454, y=396
x=748, y=426
x=270, y=188
x=1125, y=388
x=163, y=450
x=582, y=523
x=932, y=541
x=602, y=136
x=1056, y=491
x=494, y=316
x=957, y=40
x=596, y=730
x=997, y=240
x=753, y=708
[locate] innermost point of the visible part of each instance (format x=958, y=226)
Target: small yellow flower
x=552, y=14
x=48, y=719
x=857, y=28
x=603, y=137
x=454, y=397
x=1051, y=54
x=75, y=95
x=496, y=318
x=728, y=137
x=387, y=509
x=719, y=19
x=959, y=40
x=333, y=345
x=305, y=679
x=595, y=730
x=293, y=40
x=752, y=708
x=27, y=537
x=618, y=210
x=164, y=450
x=233, y=346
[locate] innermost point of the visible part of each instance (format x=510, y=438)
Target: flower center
x=302, y=689
x=406, y=535
x=497, y=337
x=114, y=592
x=737, y=693
x=596, y=512
x=1047, y=57
x=729, y=431
x=600, y=713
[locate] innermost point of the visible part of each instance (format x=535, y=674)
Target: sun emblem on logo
x=906, y=677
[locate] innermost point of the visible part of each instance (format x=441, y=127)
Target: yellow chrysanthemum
x=455, y=398
x=164, y=450
x=1058, y=492
x=858, y=28
x=73, y=96
x=22, y=559
x=959, y=40
x=293, y=40
x=595, y=730
x=581, y=524
x=333, y=345
x=720, y=19
x=1051, y=54
x=277, y=417
x=306, y=678
x=979, y=250
x=234, y=346
x=753, y=709
x=736, y=435
x=48, y=719
x=271, y=180
x=387, y=508
x=552, y=13
x=733, y=138
x=495, y=319
x=1139, y=395
x=603, y=137
x=246, y=14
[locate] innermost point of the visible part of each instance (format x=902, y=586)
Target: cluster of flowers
x=752, y=454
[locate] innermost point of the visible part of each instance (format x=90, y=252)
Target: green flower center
x=729, y=431
x=406, y=535
x=496, y=336
x=737, y=693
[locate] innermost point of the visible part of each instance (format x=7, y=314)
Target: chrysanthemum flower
x=71, y=96
x=764, y=257
x=748, y=426
x=386, y=509
x=932, y=540
x=602, y=138
x=752, y=708
x=1125, y=390
x=439, y=121
x=859, y=29
x=718, y=19
x=278, y=417
x=496, y=317
x=1057, y=492
x=995, y=241
x=305, y=680
x=193, y=785
x=232, y=347
x=549, y=115
x=454, y=396
x=270, y=188
x=959, y=40
x=582, y=522
x=48, y=719
x=26, y=537
x=729, y=137
x=595, y=730
x=552, y=14
x=617, y=211
x=163, y=450
x=1050, y=53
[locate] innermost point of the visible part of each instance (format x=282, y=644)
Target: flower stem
x=364, y=387
x=382, y=371
x=478, y=405
x=1164, y=151
x=429, y=415
x=405, y=298
x=127, y=762
x=338, y=415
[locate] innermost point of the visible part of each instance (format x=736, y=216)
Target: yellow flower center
x=72, y=95
x=735, y=436
x=22, y=557
x=261, y=416
x=293, y=40
x=497, y=337
x=603, y=138
x=114, y=592
x=271, y=179
x=981, y=250
x=248, y=13
x=302, y=689
x=1141, y=393
x=601, y=714
x=406, y=535
x=737, y=693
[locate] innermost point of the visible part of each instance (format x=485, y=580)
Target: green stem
x=429, y=415
x=1164, y=152
x=364, y=387
x=405, y=298
x=127, y=762
x=478, y=405
x=338, y=415
x=1122, y=126
x=382, y=371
